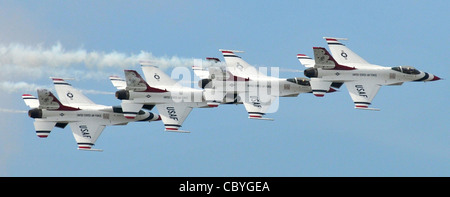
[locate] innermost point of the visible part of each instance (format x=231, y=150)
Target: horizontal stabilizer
x=118, y=82
x=30, y=101
x=306, y=60
x=319, y=87
x=43, y=128
x=130, y=109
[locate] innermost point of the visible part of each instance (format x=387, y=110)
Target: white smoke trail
x=20, y=64
x=24, y=87
x=20, y=61
x=96, y=92
x=57, y=56
x=12, y=111
x=290, y=70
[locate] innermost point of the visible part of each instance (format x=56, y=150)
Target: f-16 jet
x=173, y=101
x=240, y=82
x=86, y=119
x=362, y=79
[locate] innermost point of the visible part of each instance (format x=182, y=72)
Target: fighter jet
x=86, y=119
x=240, y=82
x=173, y=101
x=362, y=79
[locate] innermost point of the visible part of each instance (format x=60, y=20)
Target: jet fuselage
x=378, y=74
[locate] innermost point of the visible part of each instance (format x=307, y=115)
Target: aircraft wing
x=86, y=133
x=362, y=93
x=257, y=106
x=173, y=115
x=69, y=95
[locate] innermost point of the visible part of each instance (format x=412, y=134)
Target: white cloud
x=20, y=87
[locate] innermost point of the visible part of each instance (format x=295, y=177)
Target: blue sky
x=309, y=137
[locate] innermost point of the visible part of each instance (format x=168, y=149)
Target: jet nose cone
x=435, y=78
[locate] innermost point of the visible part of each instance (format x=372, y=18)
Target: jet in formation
x=237, y=82
x=173, y=101
x=86, y=119
x=240, y=82
x=362, y=79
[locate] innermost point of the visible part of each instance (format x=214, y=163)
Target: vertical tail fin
x=136, y=83
x=343, y=54
x=48, y=101
x=156, y=77
x=324, y=60
x=68, y=94
x=237, y=66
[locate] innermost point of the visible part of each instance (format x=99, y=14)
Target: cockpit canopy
x=299, y=81
x=406, y=70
